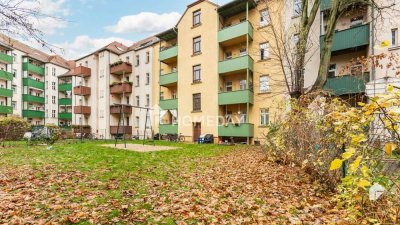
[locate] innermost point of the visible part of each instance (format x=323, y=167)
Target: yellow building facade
x=217, y=73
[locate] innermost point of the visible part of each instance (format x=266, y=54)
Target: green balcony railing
x=4, y=75
x=169, y=53
x=325, y=5
x=6, y=109
x=168, y=128
x=32, y=114
x=33, y=68
x=350, y=38
x=32, y=98
x=169, y=104
x=65, y=87
x=236, y=64
x=65, y=116
x=8, y=59
x=236, y=97
x=347, y=84
x=236, y=130
x=33, y=83
x=4, y=92
x=235, y=31
x=169, y=78
x=65, y=101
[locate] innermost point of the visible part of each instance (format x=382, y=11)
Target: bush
x=13, y=128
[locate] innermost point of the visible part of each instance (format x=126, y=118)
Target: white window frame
x=394, y=37
x=264, y=17
x=264, y=117
x=264, y=51
x=264, y=84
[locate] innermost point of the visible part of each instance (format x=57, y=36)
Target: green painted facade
x=8, y=59
x=236, y=130
x=65, y=116
x=32, y=114
x=350, y=38
x=33, y=68
x=169, y=78
x=169, y=104
x=6, y=92
x=347, y=84
x=236, y=97
x=236, y=64
x=65, y=87
x=33, y=83
x=65, y=101
x=235, y=31
x=6, y=109
x=4, y=75
x=32, y=98
x=168, y=128
x=169, y=53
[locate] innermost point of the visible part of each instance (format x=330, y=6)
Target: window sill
x=264, y=60
x=295, y=17
x=196, y=54
x=394, y=48
x=264, y=93
x=196, y=82
x=263, y=26
x=197, y=111
x=196, y=25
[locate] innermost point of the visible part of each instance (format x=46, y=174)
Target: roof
x=168, y=34
x=236, y=7
x=143, y=43
x=34, y=53
x=193, y=4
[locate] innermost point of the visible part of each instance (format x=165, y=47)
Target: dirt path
x=242, y=188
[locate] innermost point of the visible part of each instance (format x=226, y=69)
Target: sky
x=87, y=25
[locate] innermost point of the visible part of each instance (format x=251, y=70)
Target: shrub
x=13, y=128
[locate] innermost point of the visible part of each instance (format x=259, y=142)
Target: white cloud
x=145, y=22
x=83, y=45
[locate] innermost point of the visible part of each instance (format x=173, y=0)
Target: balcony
x=116, y=109
x=325, y=5
x=236, y=130
x=33, y=68
x=4, y=75
x=169, y=54
x=7, y=59
x=6, y=92
x=121, y=88
x=347, y=84
x=32, y=114
x=236, y=64
x=85, y=129
x=65, y=116
x=85, y=110
x=168, y=128
x=6, y=109
x=33, y=83
x=169, y=104
x=236, y=97
x=81, y=71
x=235, y=34
x=82, y=90
x=114, y=130
x=350, y=38
x=120, y=68
x=32, y=98
x=65, y=87
x=65, y=101
x=167, y=79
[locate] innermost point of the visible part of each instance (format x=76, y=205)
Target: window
x=242, y=84
x=137, y=101
x=161, y=96
x=14, y=57
x=297, y=7
x=196, y=102
x=14, y=73
x=264, y=51
x=356, y=69
x=14, y=104
x=228, y=55
x=101, y=113
x=137, y=81
x=264, y=117
x=47, y=85
x=394, y=37
x=243, y=52
x=264, y=18
x=332, y=70
x=356, y=21
x=47, y=70
x=228, y=86
x=53, y=99
x=127, y=100
x=53, y=71
x=53, y=85
x=127, y=59
x=137, y=60
x=196, y=45
x=147, y=57
x=53, y=113
x=174, y=95
x=264, y=84
x=47, y=99
x=147, y=78
x=147, y=100
x=296, y=38
x=196, y=73
x=137, y=122
x=197, y=17
x=14, y=88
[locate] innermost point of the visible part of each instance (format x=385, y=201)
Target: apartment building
x=235, y=86
x=112, y=86
x=28, y=82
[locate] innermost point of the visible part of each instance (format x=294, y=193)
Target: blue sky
x=91, y=24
